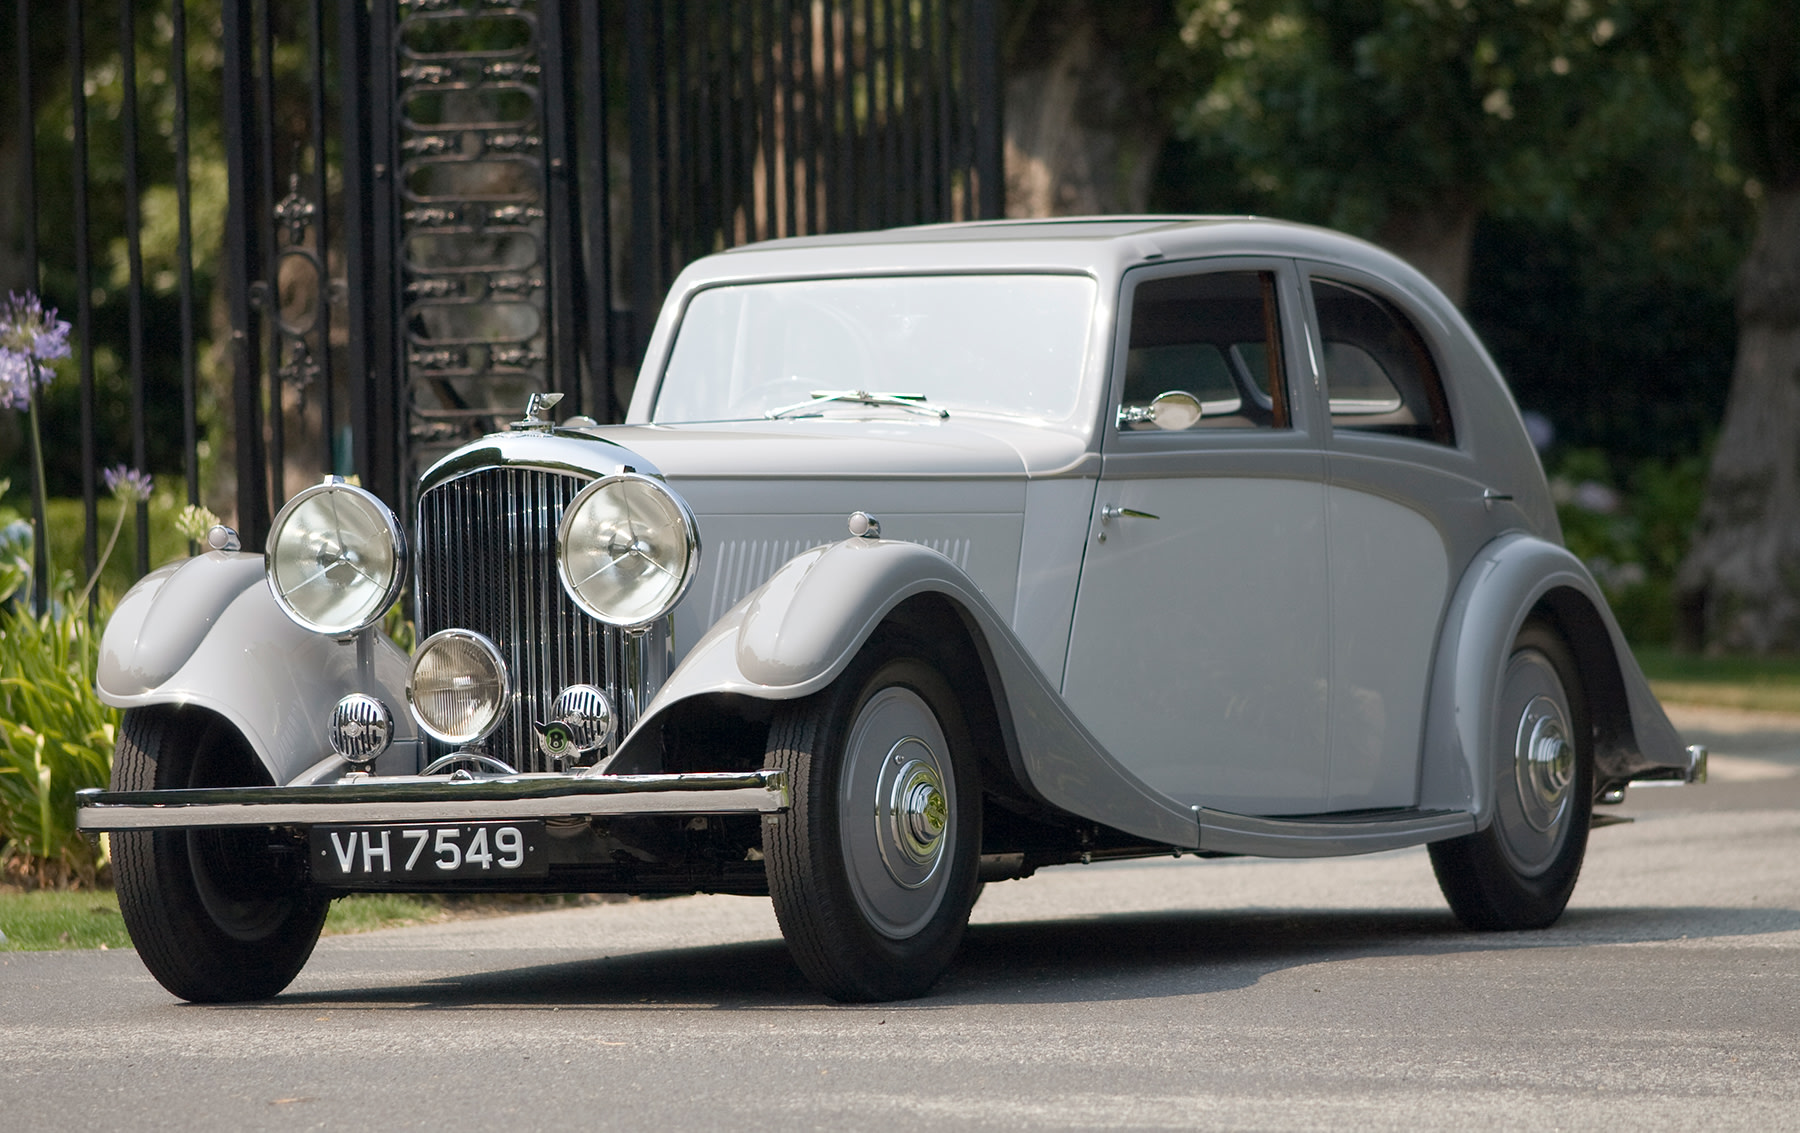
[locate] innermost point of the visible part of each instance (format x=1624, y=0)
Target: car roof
x=1102, y=245
x=1097, y=228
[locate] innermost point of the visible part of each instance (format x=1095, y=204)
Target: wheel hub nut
x=919, y=813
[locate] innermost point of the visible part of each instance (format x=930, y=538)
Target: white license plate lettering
x=374, y=850
x=418, y=838
x=393, y=854
x=449, y=854
x=511, y=845
x=478, y=853
x=345, y=849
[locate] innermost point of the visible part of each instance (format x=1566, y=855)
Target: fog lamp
x=458, y=687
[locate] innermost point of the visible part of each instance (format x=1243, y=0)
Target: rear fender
x=800, y=629
x=206, y=632
x=1511, y=579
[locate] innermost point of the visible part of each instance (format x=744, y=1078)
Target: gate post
x=243, y=256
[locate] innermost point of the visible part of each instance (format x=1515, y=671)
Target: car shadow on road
x=1076, y=959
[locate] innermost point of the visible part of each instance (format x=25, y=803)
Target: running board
x=1327, y=835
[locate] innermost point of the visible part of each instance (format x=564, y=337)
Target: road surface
x=1236, y=994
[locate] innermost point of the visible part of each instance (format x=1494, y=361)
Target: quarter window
x=1378, y=373
x=1214, y=337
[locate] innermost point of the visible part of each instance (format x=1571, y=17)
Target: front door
x=1199, y=654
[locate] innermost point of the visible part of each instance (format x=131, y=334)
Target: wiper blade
x=912, y=402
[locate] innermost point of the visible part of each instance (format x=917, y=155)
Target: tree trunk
x=1739, y=588
x=1437, y=241
x=1082, y=138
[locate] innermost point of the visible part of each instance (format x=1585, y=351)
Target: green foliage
x=1592, y=139
x=1349, y=112
x=56, y=738
x=1753, y=46
x=1632, y=532
x=1624, y=344
x=106, y=200
x=67, y=525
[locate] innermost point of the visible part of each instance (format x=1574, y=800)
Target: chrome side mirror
x=1175, y=410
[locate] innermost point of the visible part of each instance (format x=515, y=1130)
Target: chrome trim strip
x=442, y=799
x=1314, y=836
x=588, y=457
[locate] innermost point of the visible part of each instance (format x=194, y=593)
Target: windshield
x=1007, y=344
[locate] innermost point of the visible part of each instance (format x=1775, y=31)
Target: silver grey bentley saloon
x=925, y=558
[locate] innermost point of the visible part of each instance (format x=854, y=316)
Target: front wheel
x=217, y=915
x=1519, y=872
x=873, y=867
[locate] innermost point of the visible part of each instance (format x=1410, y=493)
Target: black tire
x=1518, y=873
x=216, y=915
x=873, y=868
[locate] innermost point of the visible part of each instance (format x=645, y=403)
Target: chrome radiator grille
x=486, y=554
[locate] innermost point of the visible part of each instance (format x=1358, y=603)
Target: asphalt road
x=1234, y=994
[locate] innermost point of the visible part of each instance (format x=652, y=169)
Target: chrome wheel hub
x=917, y=813
x=1535, y=790
x=1544, y=761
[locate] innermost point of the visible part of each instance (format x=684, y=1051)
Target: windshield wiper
x=912, y=402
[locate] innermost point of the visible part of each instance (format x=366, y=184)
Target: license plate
x=429, y=852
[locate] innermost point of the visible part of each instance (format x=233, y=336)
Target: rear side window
x=1378, y=373
x=1214, y=336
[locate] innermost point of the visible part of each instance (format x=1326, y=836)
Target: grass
x=42, y=920
x=1760, y=684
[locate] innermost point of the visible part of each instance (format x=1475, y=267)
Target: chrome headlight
x=627, y=549
x=458, y=688
x=337, y=558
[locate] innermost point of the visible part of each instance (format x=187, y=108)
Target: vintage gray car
x=926, y=558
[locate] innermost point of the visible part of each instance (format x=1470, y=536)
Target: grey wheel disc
x=897, y=799
x=1535, y=788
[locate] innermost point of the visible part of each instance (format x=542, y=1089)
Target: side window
x=1378, y=374
x=1214, y=337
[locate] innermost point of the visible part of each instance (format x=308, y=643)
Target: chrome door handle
x=1110, y=512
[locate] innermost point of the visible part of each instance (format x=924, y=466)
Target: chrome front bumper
x=436, y=799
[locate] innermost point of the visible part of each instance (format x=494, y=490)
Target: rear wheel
x=217, y=915
x=873, y=868
x=1519, y=872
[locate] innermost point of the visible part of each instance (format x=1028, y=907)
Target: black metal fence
x=342, y=235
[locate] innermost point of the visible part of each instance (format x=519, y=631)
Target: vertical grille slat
x=487, y=562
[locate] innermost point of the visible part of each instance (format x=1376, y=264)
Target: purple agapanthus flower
x=31, y=337
x=15, y=379
x=127, y=483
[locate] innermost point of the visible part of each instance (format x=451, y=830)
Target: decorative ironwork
x=297, y=299
x=472, y=182
x=458, y=164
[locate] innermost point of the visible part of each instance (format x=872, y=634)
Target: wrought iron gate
x=435, y=206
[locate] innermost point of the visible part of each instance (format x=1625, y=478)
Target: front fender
x=1510, y=579
x=206, y=632
x=801, y=628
